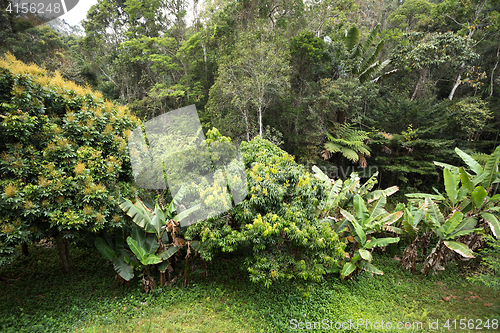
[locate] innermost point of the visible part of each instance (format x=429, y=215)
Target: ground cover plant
x=36, y=297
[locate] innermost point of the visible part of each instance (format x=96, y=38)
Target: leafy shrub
x=277, y=223
x=64, y=159
x=491, y=259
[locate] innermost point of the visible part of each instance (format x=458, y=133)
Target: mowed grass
x=36, y=297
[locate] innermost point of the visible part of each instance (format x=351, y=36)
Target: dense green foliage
x=277, y=223
x=64, y=157
x=395, y=86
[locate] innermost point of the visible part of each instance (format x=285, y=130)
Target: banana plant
x=465, y=204
x=447, y=230
x=341, y=194
x=149, y=243
x=360, y=225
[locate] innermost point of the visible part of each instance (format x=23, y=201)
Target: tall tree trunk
x=61, y=248
x=457, y=83
x=420, y=83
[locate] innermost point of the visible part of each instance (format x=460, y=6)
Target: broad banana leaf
x=372, y=196
x=139, y=213
x=348, y=268
x=369, y=268
x=465, y=227
x=357, y=228
x=360, y=209
x=472, y=163
x=181, y=216
x=104, y=248
x=372, y=58
x=168, y=253
x=122, y=268
x=491, y=168
x=479, y=194
x=378, y=209
x=374, y=242
x=425, y=195
x=493, y=222
x=144, y=257
x=452, y=223
x=451, y=186
x=365, y=255
x=351, y=38
x=369, y=40
x=459, y=248
x=433, y=210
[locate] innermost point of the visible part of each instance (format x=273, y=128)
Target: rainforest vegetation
x=367, y=137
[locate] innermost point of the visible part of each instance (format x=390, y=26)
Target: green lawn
x=36, y=297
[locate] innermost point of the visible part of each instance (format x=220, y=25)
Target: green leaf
x=453, y=222
x=365, y=254
x=139, y=213
x=122, y=268
x=491, y=168
x=467, y=224
x=370, y=268
x=459, y=248
x=181, y=216
x=472, y=163
x=168, y=253
x=378, y=209
x=360, y=209
x=162, y=267
x=451, y=186
x=434, y=212
x=351, y=38
x=138, y=235
x=357, y=228
x=479, y=194
x=425, y=195
x=105, y=249
x=151, y=244
x=139, y=252
x=493, y=222
x=158, y=220
x=391, y=218
x=348, y=268
x=373, y=243
x=151, y=259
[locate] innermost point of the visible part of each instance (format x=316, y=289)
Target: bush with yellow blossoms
x=63, y=157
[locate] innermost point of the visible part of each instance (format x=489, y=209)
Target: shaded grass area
x=36, y=297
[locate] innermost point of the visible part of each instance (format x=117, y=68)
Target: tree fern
x=349, y=142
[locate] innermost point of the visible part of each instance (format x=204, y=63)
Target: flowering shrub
x=63, y=156
x=277, y=222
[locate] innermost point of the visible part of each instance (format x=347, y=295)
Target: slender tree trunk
x=24, y=249
x=457, y=82
x=455, y=86
x=421, y=80
x=61, y=248
x=493, y=72
x=260, y=121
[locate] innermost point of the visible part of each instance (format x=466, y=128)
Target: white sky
x=74, y=16
x=77, y=14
